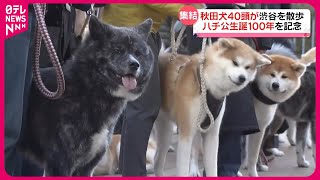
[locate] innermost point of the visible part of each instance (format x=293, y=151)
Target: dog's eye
x=284, y=77
x=247, y=67
x=235, y=63
x=137, y=53
x=272, y=75
x=117, y=50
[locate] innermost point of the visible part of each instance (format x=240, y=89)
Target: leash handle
x=203, y=103
x=42, y=32
x=203, y=89
x=175, y=44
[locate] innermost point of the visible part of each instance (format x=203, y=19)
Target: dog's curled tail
x=309, y=57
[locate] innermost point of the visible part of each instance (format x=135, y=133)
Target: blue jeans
x=18, y=79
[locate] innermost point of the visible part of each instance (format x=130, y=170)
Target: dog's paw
x=150, y=171
x=195, y=174
x=194, y=171
x=281, y=139
x=303, y=163
x=239, y=174
x=253, y=173
x=309, y=143
x=244, y=166
x=175, y=129
x=279, y=154
x=262, y=168
x=171, y=149
x=291, y=141
x=276, y=152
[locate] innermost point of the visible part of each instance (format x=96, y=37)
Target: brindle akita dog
x=68, y=136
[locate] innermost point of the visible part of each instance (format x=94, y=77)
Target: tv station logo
x=16, y=20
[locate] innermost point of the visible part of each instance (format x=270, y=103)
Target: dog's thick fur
x=286, y=72
x=109, y=164
x=227, y=60
x=300, y=109
x=67, y=136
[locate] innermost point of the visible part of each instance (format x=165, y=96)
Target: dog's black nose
x=134, y=65
x=242, y=79
x=275, y=86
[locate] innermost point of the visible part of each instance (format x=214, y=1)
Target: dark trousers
x=237, y=120
x=18, y=77
x=139, y=117
x=229, y=156
x=230, y=160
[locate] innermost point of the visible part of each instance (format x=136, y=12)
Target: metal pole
x=313, y=32
x=294, y=41
x=303, y=45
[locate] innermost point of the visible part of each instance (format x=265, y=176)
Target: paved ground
x=280, y=166
x=287, y=165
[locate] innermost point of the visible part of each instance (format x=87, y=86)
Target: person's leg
x=16, y=57
x=229, y=156
x=139, y=118
x=28, y=167
x=18, y=79
x=237, y=120
x=229, y=153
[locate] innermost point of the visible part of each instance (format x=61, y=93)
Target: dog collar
x=213, y=103
x=260, y=96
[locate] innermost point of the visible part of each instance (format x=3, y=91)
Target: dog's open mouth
x=129, y=82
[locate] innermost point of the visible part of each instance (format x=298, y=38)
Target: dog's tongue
x=129, y=82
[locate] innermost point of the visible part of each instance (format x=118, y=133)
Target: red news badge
x=188, y=15
x=16, y=20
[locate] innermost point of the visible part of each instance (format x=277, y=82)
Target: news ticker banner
x=247, y=22
x=210, y=22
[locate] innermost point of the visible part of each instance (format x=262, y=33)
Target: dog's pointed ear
x=299, y=68
x=98, y=29
x=144, y=28
x=263, y=59
x=225, y=43
x=309, y=57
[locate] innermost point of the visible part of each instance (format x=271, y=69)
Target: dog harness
x=260, y=96
x=214, y=105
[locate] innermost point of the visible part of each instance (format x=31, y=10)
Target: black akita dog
x=68, y=136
